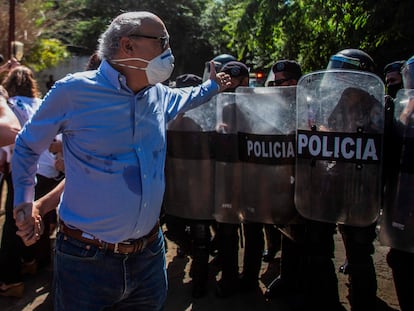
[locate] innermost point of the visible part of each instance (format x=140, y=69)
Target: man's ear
x=125, y=45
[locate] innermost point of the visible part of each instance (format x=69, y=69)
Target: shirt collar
x=114, y=77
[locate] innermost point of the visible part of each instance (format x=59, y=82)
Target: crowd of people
x=23, y=97
x=95, y=147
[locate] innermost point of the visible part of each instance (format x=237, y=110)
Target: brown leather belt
x=125, y=247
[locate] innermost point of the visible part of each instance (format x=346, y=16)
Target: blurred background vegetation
x=257, y=32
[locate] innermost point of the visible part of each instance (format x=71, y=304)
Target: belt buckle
x=116, y=248
x=139, y=245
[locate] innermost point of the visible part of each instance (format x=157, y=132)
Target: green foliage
x=212, y=22
x=258, y=32
x=46, y=53
x=79, y=23
x=31, y=18
x=310, y=31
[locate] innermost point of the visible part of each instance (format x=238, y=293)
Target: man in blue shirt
x=109, y=248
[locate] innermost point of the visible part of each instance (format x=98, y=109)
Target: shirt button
x=145, y=176
x=145, y=204
x=139, y=149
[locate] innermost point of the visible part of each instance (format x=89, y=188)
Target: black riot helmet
x=352, y=59
x=407, y=72
x=219, y=62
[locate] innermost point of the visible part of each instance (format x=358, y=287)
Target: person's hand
x=29, y=223
x=60, y=164
x=223, y=79
x=9, y=65
x=222, y=128
x=407, y=112
x=56, y=146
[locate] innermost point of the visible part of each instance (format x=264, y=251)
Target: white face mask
x=158, y=69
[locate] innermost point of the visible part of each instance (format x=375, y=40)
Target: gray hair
x=122, y=26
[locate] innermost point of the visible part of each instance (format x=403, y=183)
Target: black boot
x=288, y=283
x=363, y=287
x=228, y=254
x=273, y=242
x=201, y=237
x=321, y=284
x=252, y=261
x=401, y=263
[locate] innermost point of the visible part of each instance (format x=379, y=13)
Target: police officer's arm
x=407, y=112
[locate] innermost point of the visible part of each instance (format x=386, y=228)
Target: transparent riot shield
x=397, y=219
x=255, y=163
x=228, y=168
x=340, y=125
x=189, y=169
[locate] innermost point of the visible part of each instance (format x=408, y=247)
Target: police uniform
x=358, y=241
x=307, y=273
x=192, y=236
x=400, y=257
x=228, y=233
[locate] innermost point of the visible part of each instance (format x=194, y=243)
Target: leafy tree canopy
x=79, y=24
x=310, y=31
x=258, y=32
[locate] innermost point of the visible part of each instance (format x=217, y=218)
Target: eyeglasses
x=278, y=82
x=163, y=40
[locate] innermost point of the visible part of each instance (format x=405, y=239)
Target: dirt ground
x=37, y=288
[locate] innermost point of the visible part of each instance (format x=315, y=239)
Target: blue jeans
x=87, y=278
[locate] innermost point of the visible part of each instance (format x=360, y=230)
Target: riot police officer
x=324, y=176
x=285, y=73
x=393, y=228
x=192, y=234
x=219, y=61
x=227, y=233
x=358, y=240
x=307, y=278
x=393, y=78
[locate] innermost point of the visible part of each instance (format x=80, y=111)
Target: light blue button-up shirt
x=114, y=145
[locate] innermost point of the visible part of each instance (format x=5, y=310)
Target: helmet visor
x=407, y=72
x=206, y=73
x=344, y=62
